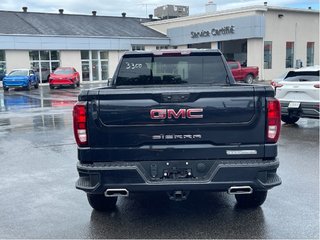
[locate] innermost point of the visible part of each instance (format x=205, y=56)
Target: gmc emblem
x=192, y=113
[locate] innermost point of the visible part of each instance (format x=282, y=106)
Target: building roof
x=49, y=24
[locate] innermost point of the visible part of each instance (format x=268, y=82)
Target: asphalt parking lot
x=38, y=198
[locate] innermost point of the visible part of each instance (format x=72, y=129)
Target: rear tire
x=74, y=85
x=6, y=89
x=249, y=79
x=252, y=200
x=51, y=87
x=289, y=119
x=36, y=86
x=101, y=203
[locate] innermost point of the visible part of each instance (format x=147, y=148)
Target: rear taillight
x=276, y=85
x=317, y=85
x=80, y=123
x=273, y=120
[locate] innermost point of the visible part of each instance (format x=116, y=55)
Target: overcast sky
x=139, y=8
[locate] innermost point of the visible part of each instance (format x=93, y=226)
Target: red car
x=246, y=74
x=64, y=76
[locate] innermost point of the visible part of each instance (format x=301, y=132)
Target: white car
x=299, y=94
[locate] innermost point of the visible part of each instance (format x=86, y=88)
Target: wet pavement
x=38, y=198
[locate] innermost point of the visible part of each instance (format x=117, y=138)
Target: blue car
x=20, y=78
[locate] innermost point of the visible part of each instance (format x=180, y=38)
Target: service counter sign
x=222, y=30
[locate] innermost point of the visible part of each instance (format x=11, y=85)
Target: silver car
x=299, y=94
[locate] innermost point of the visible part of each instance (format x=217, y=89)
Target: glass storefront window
x=104, y=70
x=44, y=62
x=34, y=55
x=103, y=55
x=138, y=47
x=44, y=55
x=85, y=55
x=55, y=55
x=95, y=70
x=94, y=54
x=3, y=67
x=94, y=65
x=310, y=53
x=85, y=71
x=2, y=56
x=267, y=55
x=289, y=54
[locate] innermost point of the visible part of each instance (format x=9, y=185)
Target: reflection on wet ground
x=39, y=108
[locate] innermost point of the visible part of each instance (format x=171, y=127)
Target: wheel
x=6, y=89
x=36, y=86
x=51, y=87
x=78, y=84
x=289, y=119
x=252, y=200
x=74, y=85
x=249, y=79
x=101, y=203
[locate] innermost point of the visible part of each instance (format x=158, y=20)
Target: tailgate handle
x=175, y=97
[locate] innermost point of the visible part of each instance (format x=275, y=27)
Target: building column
x=114, y=58
x=255, y=55
x=214, y=45
x=17, y=59
x=71, y=59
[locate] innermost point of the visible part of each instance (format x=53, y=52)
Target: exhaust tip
x=121, y=192
x=240, y=190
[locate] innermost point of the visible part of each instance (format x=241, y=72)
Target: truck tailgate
x=229, y=122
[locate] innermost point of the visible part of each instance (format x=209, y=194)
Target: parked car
x=20, y=78
x=298, y=94
x=300, y=71
x=246, y=74
x=64, y=76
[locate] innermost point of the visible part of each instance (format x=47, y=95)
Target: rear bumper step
x=214, y=175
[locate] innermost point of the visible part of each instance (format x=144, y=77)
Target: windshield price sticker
x=133, y=65
x=294, y=105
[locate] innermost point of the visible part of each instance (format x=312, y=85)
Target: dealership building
x=275, y=39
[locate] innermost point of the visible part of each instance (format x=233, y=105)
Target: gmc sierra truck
x=176, y=121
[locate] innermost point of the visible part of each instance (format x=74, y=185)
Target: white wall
x=17, y=59
x=296, y=27
x=71, y=59
x=114, y=57
x=255, y=54
x=214, y=45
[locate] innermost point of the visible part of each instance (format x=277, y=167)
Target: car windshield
x=148, y=69
x=303, y=78
x=19, y=73
x=63, y=71
x=302, y=73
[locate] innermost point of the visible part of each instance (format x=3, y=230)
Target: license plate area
x=294, y=105
x=177, y=170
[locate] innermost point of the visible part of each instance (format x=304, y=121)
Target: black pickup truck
x=176, y=121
